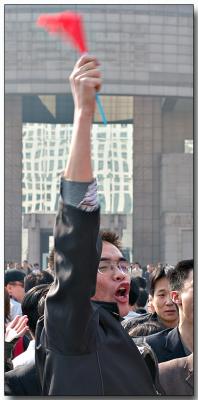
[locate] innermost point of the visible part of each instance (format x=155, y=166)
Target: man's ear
x=9, y=289
x=175, y=296
x=150, y=304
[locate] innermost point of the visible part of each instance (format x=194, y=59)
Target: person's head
x=181, y=284
x=160, y=296
x=26, y=266
x=11, y=265
x=136, y=265
x=114, y=273
x=150, y=268
x=38, y=278
x=142, y=300
x=136, y=269
x=36, y=266
x=14, y=283
x=30, y=305
x=25, y=263
x=149, y=306
x=19, y=266
x=141, y=282
x=145, y=329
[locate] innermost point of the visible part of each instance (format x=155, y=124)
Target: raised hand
x=85, y=81
x=16, y=328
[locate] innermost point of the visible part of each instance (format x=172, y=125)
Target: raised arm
x=68, y=306
x=85, y=81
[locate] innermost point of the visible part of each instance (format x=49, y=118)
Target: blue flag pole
x=101, y=109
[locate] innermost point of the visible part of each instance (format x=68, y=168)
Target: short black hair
x=141, y=281
x=142, y=298
x=180, y=274
x=111, y=237
x=161, y=271
x=137, y=263
x=30, y=304
x=134, y=292
x=37, y=278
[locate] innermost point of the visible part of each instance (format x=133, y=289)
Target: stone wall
x=144, y=50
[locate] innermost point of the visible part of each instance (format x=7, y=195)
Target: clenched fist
x=85, y=81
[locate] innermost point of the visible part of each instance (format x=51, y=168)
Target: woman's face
x=163, y=305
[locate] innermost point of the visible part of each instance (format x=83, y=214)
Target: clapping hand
x=16, y=328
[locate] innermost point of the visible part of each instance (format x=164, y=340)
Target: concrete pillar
x=13, y=177
x=146, y=171
x=33, y=239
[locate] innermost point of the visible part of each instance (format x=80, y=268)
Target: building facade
x=45, y=152
x=146, y=55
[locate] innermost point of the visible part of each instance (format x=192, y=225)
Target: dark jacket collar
x=112, y=308
x=173, y=342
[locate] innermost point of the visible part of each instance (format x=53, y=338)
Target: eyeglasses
x=109, y=267
x=17, y=284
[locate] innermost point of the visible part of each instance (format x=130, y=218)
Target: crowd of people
x=93, y=323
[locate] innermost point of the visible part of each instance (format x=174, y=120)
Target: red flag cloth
x=68, y=25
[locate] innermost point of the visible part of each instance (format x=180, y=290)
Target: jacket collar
x=173, y=342
x=112, y=308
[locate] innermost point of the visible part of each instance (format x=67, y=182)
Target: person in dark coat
x=178, y=342
x=166, y=344
x=81, y=347
x=182, y=371
x=22, y=381
x=14, y=284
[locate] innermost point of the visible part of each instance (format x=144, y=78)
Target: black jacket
x=132, y=322
x=166, y=344
x=82, y=349
x=22, y=381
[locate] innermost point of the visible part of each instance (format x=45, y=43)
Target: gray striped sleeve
x=80, y=194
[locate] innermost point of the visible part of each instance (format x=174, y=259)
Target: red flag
x=68, y=25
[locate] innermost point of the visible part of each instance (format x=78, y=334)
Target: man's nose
x=118, y=274
x=169, y=300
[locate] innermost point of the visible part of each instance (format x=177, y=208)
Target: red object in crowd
x=68, y=25
x=19, y=347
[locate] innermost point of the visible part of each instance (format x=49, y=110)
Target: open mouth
x=122, y=293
